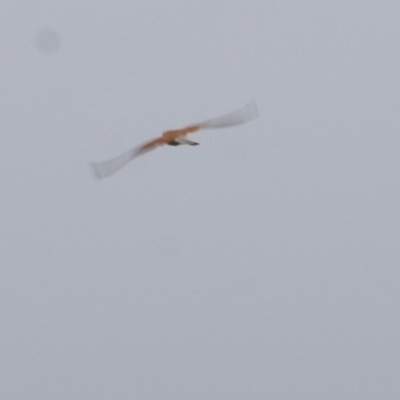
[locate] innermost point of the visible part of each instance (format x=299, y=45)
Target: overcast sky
x=262, y=264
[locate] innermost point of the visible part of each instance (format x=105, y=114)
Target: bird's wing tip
x=94, y=170
x=251, y=109
x=104, y=169
x=238, y=117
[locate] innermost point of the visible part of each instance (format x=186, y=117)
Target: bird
x=174, y=137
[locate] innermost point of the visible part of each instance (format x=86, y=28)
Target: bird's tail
x=245, y=114
x=109, y=167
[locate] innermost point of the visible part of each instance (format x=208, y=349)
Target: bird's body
x=175, y=137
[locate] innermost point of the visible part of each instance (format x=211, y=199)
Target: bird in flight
x=175, y=137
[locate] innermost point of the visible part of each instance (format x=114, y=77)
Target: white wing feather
x=245, y=114
x=109, y=167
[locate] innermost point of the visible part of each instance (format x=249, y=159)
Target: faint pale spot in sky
x=47, y=41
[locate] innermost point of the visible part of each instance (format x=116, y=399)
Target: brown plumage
x=175, y=137
x=168, y=137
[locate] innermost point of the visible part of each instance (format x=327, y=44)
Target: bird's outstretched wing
x=238, y=117
x=106, y=168
x=109, y=167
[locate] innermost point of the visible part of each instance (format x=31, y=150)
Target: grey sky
x=263, y=264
